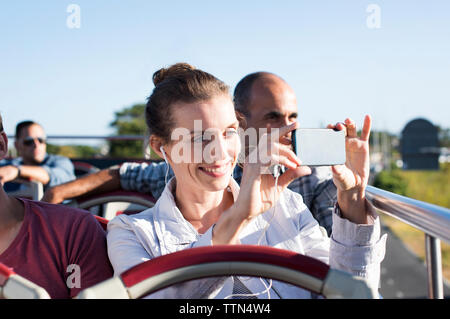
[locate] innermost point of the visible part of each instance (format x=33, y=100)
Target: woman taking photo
x=203, y=205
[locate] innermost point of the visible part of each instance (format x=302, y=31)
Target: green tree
x=73, y=151
x=129, y=121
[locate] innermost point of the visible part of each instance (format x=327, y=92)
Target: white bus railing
x=433, y=220
x=93, y=137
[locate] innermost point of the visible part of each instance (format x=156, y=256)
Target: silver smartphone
x=319, y=147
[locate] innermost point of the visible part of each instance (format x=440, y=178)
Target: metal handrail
x=433, y=220
x=93, y=137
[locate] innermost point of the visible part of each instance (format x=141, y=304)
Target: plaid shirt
x=318, y=190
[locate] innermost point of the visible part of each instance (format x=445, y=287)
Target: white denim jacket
x=162, y=229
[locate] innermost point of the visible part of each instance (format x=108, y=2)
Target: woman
x=203, y=205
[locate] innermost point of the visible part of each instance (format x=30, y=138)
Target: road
x=403, y=274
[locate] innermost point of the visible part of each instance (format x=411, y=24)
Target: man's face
x=272, y=103
x=31, y=144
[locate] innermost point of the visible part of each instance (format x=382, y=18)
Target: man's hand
x=51, y=196
x=8, y=173
x=351, y=179
x=106, y=180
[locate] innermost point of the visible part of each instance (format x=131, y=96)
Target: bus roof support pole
x=434, y=267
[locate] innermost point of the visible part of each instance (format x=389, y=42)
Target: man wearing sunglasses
x=61, y=249
x=33, y=162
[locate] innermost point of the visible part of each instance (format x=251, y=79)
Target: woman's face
x=205, y=144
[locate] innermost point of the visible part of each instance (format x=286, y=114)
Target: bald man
x=264, y=99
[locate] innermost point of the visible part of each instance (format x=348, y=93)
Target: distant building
x=419, y=145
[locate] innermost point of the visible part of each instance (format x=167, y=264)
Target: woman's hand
x=351, y=178
x=259, y=189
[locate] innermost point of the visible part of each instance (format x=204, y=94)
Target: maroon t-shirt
x=60, y=248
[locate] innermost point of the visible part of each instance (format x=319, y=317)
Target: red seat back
x=103, y=221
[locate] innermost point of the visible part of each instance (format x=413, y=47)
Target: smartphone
x=319, y=147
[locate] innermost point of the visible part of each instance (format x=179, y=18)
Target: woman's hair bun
x=175, y=70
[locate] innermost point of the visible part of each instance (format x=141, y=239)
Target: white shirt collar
x=173, y=230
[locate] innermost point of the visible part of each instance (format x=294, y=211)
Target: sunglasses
x=28, y=141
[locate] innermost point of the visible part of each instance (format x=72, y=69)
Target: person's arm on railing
x=103, y=181
x=9, y=173
x=136, y=177
x=145, y=178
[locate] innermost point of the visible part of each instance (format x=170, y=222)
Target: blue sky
x=73, y=80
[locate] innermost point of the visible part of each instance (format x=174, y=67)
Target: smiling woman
x=218, y=145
